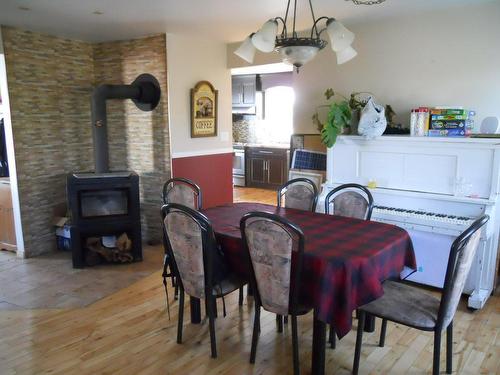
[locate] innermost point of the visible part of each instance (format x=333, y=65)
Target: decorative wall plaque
x=203, y=110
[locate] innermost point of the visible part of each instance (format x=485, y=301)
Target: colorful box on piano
x=451, y=112
x=449, y=117
x=448, y=132
x=450, y=124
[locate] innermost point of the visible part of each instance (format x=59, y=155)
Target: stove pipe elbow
x=145, y=92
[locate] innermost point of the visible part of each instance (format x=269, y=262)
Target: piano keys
x=415, y=189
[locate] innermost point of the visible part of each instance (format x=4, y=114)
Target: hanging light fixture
x=297, y=50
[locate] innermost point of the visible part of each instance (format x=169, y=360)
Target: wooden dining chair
x=299, y=193
x=197, y=263
x=183, y=191
x=349, y=200
x=410, y=306
x=188, y=193
x=271, y=242
x=302, y=194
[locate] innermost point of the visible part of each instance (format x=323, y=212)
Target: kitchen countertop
x=264, y=145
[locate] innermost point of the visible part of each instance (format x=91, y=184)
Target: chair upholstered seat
x=407, y=305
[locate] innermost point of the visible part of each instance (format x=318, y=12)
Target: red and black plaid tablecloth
x=345, y=260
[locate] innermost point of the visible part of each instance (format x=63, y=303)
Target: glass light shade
x=345, y=55
x=340, y=37
x=264, y=39
x=246, y=50
x=298, y=55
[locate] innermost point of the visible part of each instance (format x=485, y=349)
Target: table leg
x=319, y=344
x=369, y=323
x=195, y=310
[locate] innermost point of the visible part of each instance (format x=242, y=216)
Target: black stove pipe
x=144, y=91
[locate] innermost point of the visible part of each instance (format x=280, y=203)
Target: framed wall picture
x=204, y=111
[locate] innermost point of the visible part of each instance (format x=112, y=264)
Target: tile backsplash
x=251, y=129
x=244, y=129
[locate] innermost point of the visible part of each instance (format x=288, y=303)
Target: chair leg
x=381, y=342
x=211, y=321
x=176, y=292
x=449, y=348
x=359, y=339
x=295, y=346
x=181, y=316
x=209, y=303
x=285, y=319
x=240, y=297
x=255, y=334
x=332, y=338
x=437, y=352
x=279, y=322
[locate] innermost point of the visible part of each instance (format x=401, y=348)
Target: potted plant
x=342, y=117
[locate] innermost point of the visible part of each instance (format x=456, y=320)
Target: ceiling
x=225, y=20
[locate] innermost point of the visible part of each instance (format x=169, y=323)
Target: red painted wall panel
x=213, y=173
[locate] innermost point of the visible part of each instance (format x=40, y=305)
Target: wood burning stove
x=103, y=204
x=107, y=203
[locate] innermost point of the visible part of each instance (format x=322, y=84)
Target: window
x=277, y=122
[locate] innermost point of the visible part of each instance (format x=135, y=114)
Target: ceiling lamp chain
x=294, y=49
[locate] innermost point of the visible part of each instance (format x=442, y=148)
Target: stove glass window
x=103, y=202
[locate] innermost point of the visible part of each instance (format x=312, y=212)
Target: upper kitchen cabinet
x=244, y=88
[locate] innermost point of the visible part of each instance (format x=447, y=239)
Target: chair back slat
x=185, y=239
x=182, y=191
x=460, y=261
x=350, y=200
x=271, y=241
x=299, y=193
x=350, y=204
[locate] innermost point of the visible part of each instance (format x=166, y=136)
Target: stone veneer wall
x=50, y=82
x=138, y=141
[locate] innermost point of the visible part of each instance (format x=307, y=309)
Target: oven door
x=239, y=167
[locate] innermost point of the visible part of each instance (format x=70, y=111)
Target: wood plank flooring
x=50, y=281
x=129, y=332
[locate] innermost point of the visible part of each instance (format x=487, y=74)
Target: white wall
x=446, y=57
x=190, y=60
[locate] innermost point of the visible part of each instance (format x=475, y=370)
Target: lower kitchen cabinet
x=266, y=167
x=7, y=228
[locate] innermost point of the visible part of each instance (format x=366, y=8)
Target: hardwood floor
x=50, y=281
x=241, y=194
x=128, y=332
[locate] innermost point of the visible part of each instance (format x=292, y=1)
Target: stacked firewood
x=119, y=254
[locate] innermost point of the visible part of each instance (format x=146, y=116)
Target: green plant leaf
x=338, y=117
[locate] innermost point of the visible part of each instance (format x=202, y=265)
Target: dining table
x=345, y=262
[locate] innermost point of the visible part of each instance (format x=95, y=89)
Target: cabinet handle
x=265, y=152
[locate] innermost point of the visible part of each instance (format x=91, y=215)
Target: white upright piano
x=432, y=187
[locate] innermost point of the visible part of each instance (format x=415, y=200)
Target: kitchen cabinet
x=266, y=167
x=7, y=228
x=244, y=88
